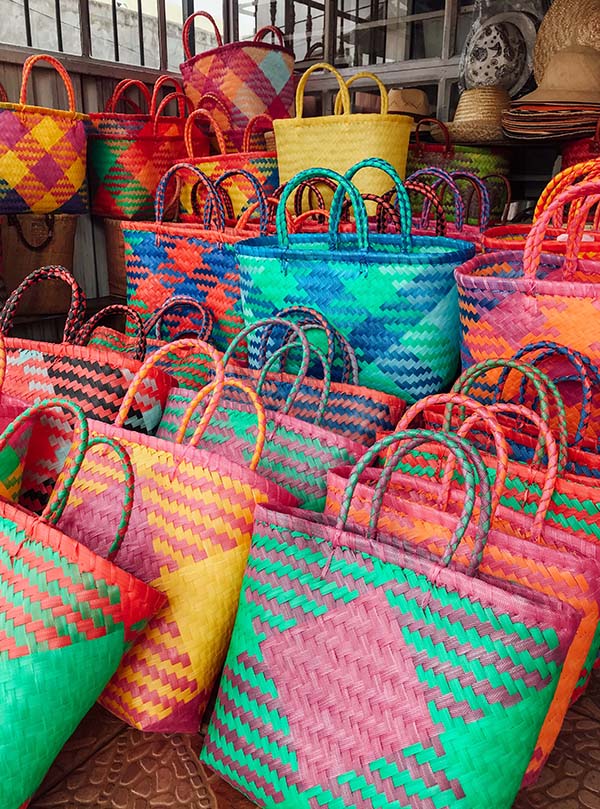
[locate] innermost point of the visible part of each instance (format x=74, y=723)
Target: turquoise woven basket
x=392, y=296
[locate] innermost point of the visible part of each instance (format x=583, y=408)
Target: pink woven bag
x=248, y=78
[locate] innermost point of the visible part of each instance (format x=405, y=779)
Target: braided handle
x=258, y=192
x=84, y=334
x=156, y=322
x=542, y=384
x=486, y=509
x=165, y=353
x=159, y=205
x=186, y=31
x=414, y=439
x=264, y=119
x=270, y=29
x=419, y=147
x=312, y=186
x=42, y=57
x=563, y=180
x=217, y=392
x=435, y=202
x=74, y=458
x=205, y=115
x=483, y=413
x=482, y=193
x=459, y=205
x=76, y=313
x=183, y=102
x=122, y=87
x=507, y=188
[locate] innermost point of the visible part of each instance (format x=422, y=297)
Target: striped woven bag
x=409, y=509
x=347, y=684
x=392, y=296
x=296, y=454
x=94, y=378
x=67, y=616
x=260, y=164
x=130, y=152
x=166, y=258
x=510, y=299
x=188, y=537
x=247, y=78
x=42, y=152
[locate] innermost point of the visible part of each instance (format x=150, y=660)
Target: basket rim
x=231, y=46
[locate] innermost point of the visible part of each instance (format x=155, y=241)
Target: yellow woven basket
x=341, y=140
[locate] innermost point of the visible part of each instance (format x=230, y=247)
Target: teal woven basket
x=392, y=296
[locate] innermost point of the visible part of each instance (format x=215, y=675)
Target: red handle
x=263, y=118
x=270, y=29
x=186, y=31
x=41, y=57
x=122, y=87
x=419, y=145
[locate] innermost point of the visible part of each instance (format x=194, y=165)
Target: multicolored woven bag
x=130, y=152
x=94, y=378
x=260, y=164
x=510, y=299
x=564, y=574
x=166, y=258
x=189, y=537
x=42, y=152
x=67, y=617
x=247, y=78
x=393, y=297
x=346, y=684
x=479, y=160
x=296, y=453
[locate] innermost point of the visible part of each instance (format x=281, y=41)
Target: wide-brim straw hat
x=568, y=23
x=478, y=117
x=571, y=76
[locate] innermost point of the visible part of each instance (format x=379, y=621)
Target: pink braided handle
x=533, y=245
x=483, y=414
x=185, y=34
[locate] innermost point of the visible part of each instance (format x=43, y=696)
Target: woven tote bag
x=565, y=575
x=510, y=299
x=296, y=453
x=188, y=536
x=260, y=164
x=479, y=160
x=67, y=617
x=94, y=378
x=336, y=688
x=392, y=297
x=130, y=152
x=337, y=142
x=42, y=152
x=249, y=78
x=167, y=258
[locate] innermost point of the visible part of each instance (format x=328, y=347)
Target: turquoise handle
x=344, y=185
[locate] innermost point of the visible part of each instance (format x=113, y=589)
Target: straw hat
x=568, y=23
x=409, y=101
x=478, y=116
x=572, y=76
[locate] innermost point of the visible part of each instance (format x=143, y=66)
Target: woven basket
x=344, y=659
x=387, y=295
x=510, y=299
x=581, y=150
x=199, y=261
x=260, y=164
x=247, y=78
x=342, y=140
x=42, y=152
x=96, y=379
x=68, y=615
x=130, y=152
x=189, y=536
x=31, y=241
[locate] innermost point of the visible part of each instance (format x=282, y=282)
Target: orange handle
x=42, y=57
x=189, y=124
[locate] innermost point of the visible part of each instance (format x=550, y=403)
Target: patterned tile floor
x=106, y=765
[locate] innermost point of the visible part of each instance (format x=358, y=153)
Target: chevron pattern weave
x=352, y=679
x=394, y=302
x=42, y=153
x=188, y=537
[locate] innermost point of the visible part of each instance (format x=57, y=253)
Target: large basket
x=189, y=536
x=42, y=152
x=356, y=671
x=247, y=78
x=337, y=142
x=392, y=297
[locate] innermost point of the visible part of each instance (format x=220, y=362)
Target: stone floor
x=106, y=765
